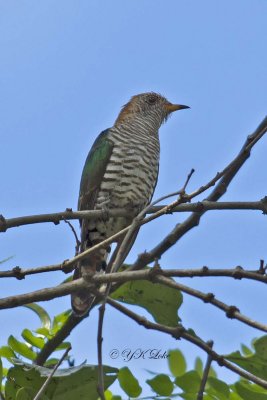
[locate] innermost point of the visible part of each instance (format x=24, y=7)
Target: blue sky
x=66, y=69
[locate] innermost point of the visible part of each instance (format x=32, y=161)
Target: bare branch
x=154, y=275
x=137, y=221
x=73, y=321
x=205, y=373
x=180, y=332
x=193, y=220
x=230, y=311
x=100, y=387
x=204, y=205
x=43, y=294
x=78, y=243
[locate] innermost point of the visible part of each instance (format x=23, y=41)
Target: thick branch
x=43, y=294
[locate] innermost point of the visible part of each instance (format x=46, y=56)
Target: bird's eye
x=151, y=99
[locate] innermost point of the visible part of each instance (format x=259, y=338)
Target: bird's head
x=151, y=107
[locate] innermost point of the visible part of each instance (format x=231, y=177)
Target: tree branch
x=204, y=205
x=193, y=220
x=68, y=265
x=100, y=387
x=153, y=275
x=225, y=178
x=205, y=374
x=231, y=312
x=180, y=332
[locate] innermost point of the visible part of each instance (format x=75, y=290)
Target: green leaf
x=7, y=352
x=260, y=346
x=256, y=363
x=32, y=339
x=212, y=372
x=199, y=366
x=219, y=387
x=177, y=363
x=42, y=314
x=25, y=393
x=234, y=396
x=67, y=384
x=249, y=391
x=161, y=384
x=21, y=348
x=63, y=346
x=162, y=302
x=246, y=350
x=108, y=395
x=188, y=396
x=129, y=383
x=59, y=321
x=189, y=382
x=211, y=397
x=51, y=362
x=45, y=332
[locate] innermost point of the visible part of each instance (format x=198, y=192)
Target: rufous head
x=148, y=106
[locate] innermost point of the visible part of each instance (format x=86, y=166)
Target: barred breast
x=131, y=174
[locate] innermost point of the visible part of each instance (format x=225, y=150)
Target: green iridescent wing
x=93, y=171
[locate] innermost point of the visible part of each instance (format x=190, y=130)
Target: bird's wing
x=93, y=171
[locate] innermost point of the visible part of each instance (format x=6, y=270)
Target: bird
x=121, y=171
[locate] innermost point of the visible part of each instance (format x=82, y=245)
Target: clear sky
x=66, y=68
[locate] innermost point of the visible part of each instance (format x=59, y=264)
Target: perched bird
x=120, y=171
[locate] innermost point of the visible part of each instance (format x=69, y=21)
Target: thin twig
x=244, y=153
x=205, y=373
x=140, y=217
x=47, y=381
x=137, y=221
x=192, y=221
x=100, y=387
x=78, y=243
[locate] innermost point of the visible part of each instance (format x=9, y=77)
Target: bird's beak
x=174, y=107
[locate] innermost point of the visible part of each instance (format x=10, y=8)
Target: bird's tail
x=83, y=299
